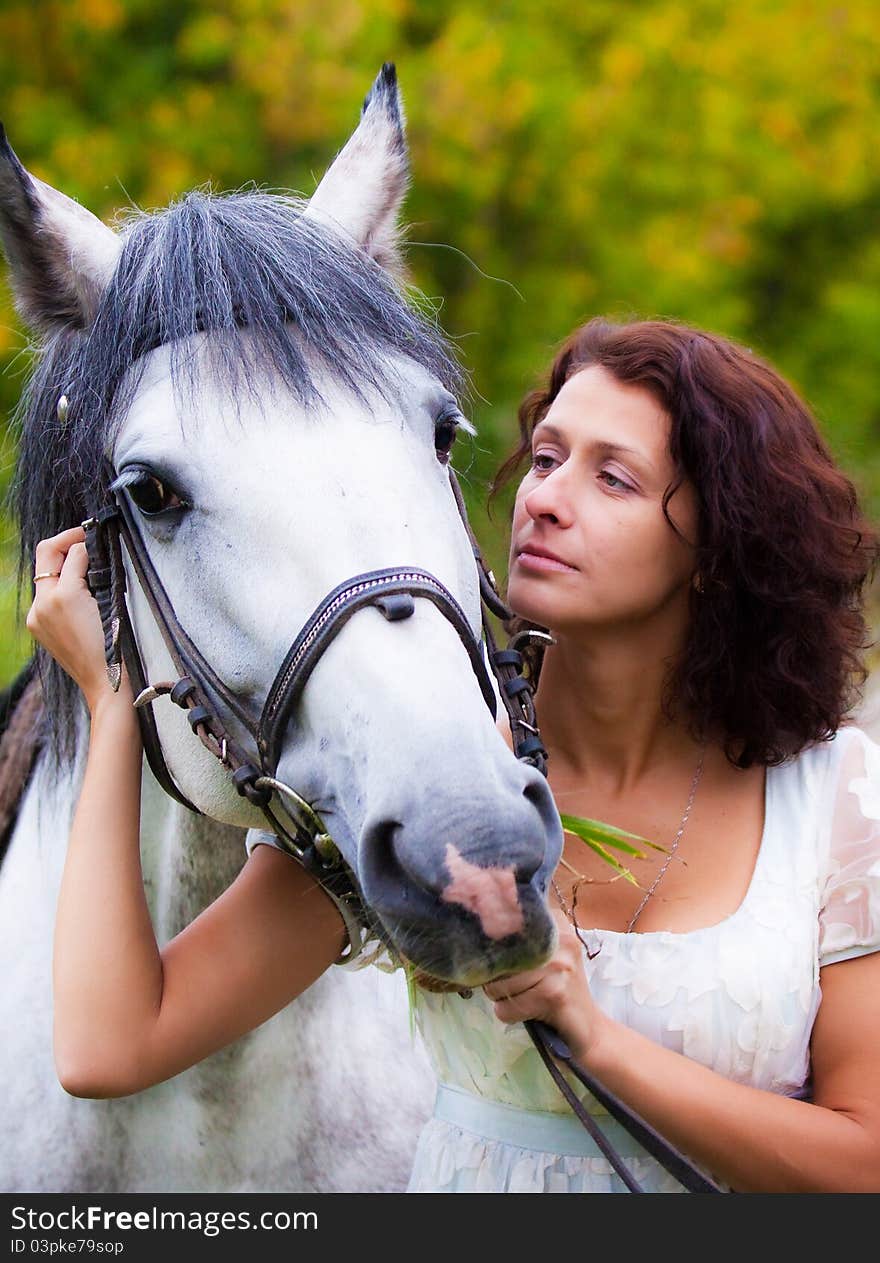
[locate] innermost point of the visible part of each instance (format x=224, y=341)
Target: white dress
x=739, y=997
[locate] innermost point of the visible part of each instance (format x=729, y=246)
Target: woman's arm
x=754, y=1140
x=126, y=1014
x=761, y=1141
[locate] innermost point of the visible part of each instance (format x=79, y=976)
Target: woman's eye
x=621, y=485
x=445, y=430
x=151, y=495
x=542, y=461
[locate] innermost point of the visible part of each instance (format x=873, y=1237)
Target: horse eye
x=152, y=496
x=445, y=430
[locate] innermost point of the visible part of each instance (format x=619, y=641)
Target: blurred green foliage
x=711, y=162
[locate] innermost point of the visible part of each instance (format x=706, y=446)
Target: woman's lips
x=534, y=561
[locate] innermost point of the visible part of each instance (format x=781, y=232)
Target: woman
x=684, y=534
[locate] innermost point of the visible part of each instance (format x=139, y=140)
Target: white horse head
x=281, y=421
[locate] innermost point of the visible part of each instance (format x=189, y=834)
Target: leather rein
x=213, y=709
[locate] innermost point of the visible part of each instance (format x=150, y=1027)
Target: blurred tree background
x=709, y=162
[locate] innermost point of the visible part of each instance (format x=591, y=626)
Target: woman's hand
x=557, y=993
x=64, y=616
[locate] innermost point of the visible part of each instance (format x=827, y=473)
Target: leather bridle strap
x=514, y=689
x=184, y=653
x=391, y=590
x=549, y=1045
x=106, y=582
x=197, y=689
x=545, y=1038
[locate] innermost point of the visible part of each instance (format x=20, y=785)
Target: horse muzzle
x=461, y=891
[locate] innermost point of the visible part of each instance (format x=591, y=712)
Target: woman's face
x=592, y=500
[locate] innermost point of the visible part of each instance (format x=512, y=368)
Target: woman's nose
x=550, y=499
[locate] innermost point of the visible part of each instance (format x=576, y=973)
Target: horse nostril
x=537, y=794
x=383, y=862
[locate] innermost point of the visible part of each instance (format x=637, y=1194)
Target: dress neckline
x=760, y=859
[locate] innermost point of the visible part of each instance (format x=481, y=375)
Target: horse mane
x=213, y=264
x=22, y=735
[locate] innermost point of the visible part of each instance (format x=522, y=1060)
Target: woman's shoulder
x=855, y=773
x=823, y=762
x=821, y=793
x=851, y=755
x=851, y=731
x=850, y=896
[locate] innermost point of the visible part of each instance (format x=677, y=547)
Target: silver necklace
x=687, y=811
x=569, y=912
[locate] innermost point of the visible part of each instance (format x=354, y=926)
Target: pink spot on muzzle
x=489, y=893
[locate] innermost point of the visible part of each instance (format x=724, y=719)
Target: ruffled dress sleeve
x=849, y=913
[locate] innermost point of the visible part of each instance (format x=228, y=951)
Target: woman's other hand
x=64, y=616
x=556, y=993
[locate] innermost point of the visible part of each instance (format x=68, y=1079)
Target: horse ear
x=60, y=255
x=365, y=185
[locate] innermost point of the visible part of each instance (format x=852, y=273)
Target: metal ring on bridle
x=530, y=633
x=314, y=826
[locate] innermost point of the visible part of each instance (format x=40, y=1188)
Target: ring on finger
x=47, y=574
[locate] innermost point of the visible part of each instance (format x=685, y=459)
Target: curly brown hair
x=773, y=660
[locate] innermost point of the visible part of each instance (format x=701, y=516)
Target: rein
x=226, y=729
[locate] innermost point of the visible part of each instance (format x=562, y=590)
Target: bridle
x=212, y=709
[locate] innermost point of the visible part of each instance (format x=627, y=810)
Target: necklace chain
x=569, y=912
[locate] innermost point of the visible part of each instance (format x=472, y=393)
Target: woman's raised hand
x=64, y=615
x=556, y=993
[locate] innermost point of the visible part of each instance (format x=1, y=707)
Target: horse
x=247, y=371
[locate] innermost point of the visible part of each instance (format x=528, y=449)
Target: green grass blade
x=607, y=835
x=412, y=1001
x=599, y=836
x=620, y=869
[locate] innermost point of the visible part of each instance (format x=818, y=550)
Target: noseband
x=212, y=709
